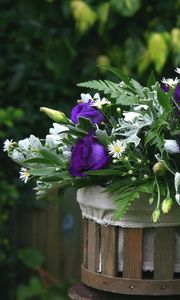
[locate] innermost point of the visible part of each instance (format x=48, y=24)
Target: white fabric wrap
x=97, y=205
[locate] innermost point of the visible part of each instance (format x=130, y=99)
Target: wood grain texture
x=109, y=249
x=132, y=253
x=164, y=250
x=121, y=285
x=85, y=243
x=93, y=246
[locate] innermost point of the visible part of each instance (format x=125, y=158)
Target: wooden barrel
x=101, y=246
x=115, y=256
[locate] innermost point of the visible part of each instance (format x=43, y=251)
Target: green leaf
x=109, y=87
x=164, y=99
x=37, y=160
x=65, y=175
x=31, y=258
x=126, y=8
x=85, y=124
x=102, y=137
x=119, y=75
x=127, y=100
x=151, y=80
x=45, y=171
x=158, y=50
x=104, y=172
x=53, y=158
x=138, y=88
x=83, y=14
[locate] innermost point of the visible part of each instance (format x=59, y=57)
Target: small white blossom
x=171, y=146
x=7, y=145
x=171, y=82
x=117, y=148
x=100, y=102
x=94, y=101
x=24, y=175
x=121, y=84
x=177, y=70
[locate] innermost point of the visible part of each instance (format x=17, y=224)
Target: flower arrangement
x=128, y=142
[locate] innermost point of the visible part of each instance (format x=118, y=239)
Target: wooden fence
x=56, y=231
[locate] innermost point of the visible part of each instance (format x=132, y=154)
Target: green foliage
x=31, y=258
x=158, y=49
x=34, y=289
x=124, y=193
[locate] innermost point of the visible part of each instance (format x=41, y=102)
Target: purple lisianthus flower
x=177, y=94
x=88, y=154
x=87, y=111
x=165, y=87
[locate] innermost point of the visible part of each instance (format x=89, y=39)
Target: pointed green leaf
x=53, y=158
x=85, y=124
x=119, y=74
x=151, y=80
x=37, y=160
x=164, y=99
x=127, y=100
x=46, y=171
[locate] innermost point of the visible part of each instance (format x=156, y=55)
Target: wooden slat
x=109, y=248
x=131, y=286
x=164, y=248
x=132, y=253
x=85, y=244
x=93, y=246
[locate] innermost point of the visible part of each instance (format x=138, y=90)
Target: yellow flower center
x=117, y=149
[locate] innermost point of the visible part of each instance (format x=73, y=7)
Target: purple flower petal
x=87, y=111
x=177, y=94
x=88, y=154
x=165, y=87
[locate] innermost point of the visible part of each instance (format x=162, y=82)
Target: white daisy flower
x=24, y=175
x=171, y=82
x=177, y=70
x=94, y=101
x=117, y=148
x=171, y=146
x=100, y=102
x=7, y=145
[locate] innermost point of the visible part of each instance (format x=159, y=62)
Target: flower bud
x=118, y=109
x=166, y=205
x=55, y=115
x=159, y=169
x=151, y=200
x=156, y=215
x=130, y=172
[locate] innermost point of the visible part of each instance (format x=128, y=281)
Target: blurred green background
x=46, y=48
